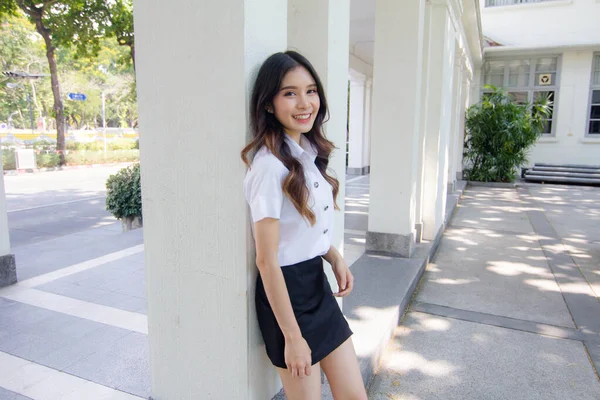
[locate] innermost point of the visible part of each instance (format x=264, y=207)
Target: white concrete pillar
x=8, y=273
x=464, y=104
x=453, y=145
x=320, y=30
x=195, y=64
x=367, y=124
x=422, y=126
x=439, y=112
x=395, y=126
x=356, y=120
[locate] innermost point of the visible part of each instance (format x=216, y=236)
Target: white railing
x=496, y=3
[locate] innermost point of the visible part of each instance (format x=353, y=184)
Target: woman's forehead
x=298, y=77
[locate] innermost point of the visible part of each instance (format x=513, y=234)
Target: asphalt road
x=46, y=205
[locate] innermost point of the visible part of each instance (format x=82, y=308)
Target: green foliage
x=9, y=161
x=22, y=49
x=85, y=157
x=124, y=193
x=499, y=133
x=47, y=160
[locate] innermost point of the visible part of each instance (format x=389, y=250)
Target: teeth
x=305, y=116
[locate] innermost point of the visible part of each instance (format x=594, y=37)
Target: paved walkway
x=509, y=308
x=75, y=326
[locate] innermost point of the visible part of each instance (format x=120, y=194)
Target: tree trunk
x=132, y=48
x=59, y=108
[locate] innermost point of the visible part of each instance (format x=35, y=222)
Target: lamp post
x=23, y=75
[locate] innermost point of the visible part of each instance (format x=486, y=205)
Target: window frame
x=593, y=87
x=516, y=3
x=532, y=86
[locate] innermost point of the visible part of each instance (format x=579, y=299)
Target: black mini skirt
x=321, y=321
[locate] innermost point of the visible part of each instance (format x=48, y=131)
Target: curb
x=493, y=184
x=65, y=168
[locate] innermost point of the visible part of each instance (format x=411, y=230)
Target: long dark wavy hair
x=268, y=131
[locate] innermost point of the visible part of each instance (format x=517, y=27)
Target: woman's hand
x=344, y=277
x=297, y=356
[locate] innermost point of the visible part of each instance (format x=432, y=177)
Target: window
x=528, y=80
x=594, y=120
x=495, y=3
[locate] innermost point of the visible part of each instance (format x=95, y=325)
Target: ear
x=269, y=109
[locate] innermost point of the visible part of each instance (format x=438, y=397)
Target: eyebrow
x=294, y=87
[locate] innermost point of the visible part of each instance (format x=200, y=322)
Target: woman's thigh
x=343, y=373
x=306, y=388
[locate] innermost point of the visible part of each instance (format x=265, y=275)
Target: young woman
x=292, y=200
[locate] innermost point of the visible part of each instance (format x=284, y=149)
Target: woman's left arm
x=344, y=277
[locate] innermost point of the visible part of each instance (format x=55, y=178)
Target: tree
x=119, y=14
x=60, y=23
x=499, y=133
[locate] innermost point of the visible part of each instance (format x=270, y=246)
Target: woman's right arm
x=297, y=352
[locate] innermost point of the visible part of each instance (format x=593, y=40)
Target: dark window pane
x=595, y=114
x=595, y=127
x=596, y=97
x=519, y=97
x=547, y=127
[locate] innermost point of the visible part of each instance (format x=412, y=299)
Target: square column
x=367, y=123
x=395, y=126
x=320, y=30
x=357, y=165
x=455, y=135
x=422, y=126
x=464, y=104
x=8, y=271
x=200, y=262
x=440, y=74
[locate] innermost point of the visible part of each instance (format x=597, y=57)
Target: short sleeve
x=263, y=190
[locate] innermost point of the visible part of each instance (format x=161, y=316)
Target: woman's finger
x=307, y=369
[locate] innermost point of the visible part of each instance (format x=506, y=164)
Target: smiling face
x=297, y=103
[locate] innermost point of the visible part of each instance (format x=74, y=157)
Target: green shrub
x=124, y=193
x=84, y=157
x=47, y=160
x=499, y=132
x=9, y=161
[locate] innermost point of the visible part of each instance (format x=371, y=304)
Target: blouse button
x=325, y=231
x=316, y=184
x=326, y=208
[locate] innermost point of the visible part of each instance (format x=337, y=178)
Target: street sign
x=77, y=96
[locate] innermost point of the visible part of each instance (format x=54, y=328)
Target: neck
x=295, y=136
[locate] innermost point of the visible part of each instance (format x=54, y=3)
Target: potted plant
x=124, y=197
x=499, y=132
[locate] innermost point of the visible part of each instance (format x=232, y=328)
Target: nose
x=303, y=102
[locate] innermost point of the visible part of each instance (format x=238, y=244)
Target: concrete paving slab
x=494, y=273
x=123, y=366
x=488, y=193
x=556, y=195
x=73, y=290
x=6, y=394
x=97, y=341
x=574, y=224
x=492, y=215
x=71, y=249
x=440, y=358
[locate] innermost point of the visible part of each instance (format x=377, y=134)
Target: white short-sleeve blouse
x=298, y=240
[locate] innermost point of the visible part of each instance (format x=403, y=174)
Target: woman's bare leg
x=343, y=373
x=306, y=388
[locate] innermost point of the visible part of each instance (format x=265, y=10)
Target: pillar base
x=390, y=243
x=8, y=270
x=358, y=171
x=419, y=232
